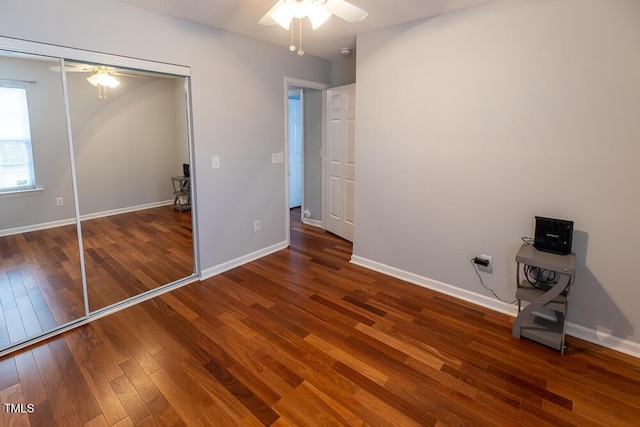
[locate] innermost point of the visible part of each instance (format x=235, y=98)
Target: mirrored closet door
x=40, y=277
x=130, y=138
x=96, y=186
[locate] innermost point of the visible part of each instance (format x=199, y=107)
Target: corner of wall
x=343, y=71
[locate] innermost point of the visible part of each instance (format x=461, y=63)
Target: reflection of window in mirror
x=16, y=159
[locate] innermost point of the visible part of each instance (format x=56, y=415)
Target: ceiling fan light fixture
x=282, y=14
x=103, y=78
x=299, y=8
x=286, y=10
x=317, y=14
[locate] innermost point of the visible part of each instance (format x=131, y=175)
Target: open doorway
x=296, y=139
x=304, y=140
x=305, y=153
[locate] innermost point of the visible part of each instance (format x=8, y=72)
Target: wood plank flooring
x=131, y=253
x=126, y=254
x=303, y=337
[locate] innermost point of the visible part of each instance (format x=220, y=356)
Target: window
x=16, y=158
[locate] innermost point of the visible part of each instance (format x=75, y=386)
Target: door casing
x=299, y=83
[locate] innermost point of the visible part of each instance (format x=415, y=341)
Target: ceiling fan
x=318, y=12
x=102, y=76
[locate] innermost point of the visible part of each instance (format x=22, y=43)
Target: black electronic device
x=553, y=235
x=185, y=169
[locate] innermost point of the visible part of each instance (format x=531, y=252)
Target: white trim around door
x=289, y=82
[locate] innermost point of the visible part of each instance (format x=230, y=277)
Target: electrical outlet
x=256, y=225
x=486, y=268
x=59, y=201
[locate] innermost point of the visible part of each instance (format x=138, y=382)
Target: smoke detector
x=345, y=51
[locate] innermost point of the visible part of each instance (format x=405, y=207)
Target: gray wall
x=472, y=123
x=126, y=146
x=313, y=153
x=238, y=113
x=343, y=71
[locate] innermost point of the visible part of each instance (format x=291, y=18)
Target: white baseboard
x=314, y=222
x=69, y=221
x=472, y=297
x=36, y=227
x=628, y=347
x=225, y=266
x=126, y=210
x=603, y=339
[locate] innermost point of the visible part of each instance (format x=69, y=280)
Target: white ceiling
x=242, y=16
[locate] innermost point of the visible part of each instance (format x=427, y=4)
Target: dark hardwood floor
x=126, y=254
x=303, y=337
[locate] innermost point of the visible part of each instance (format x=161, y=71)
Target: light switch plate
x=215, y=162
x=277, y=158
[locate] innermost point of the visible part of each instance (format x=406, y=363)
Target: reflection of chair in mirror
x=181, y=192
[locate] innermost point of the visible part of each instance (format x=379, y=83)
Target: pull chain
x=102, y=92
x=300, y=51
x=292, y=47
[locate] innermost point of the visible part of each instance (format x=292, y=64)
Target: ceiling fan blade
x=267, y=19
x=137, y=76
x=73, y=68
x=346, y=11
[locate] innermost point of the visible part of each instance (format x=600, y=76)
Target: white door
x=295, y=148
x=340, y=160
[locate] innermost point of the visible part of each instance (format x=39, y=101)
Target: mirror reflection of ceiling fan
x=318, y=12
x=102, y=76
